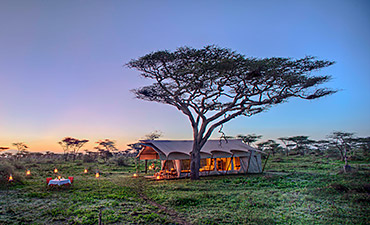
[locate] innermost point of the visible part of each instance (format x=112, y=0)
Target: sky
x=62, y=65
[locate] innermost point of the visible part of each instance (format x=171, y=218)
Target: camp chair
x=48, y=179
x=71, y=179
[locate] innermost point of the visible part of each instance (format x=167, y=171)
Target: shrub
x=122, y=161
x=5, y=170
x=88, y=159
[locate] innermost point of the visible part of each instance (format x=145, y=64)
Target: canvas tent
x=217, y=157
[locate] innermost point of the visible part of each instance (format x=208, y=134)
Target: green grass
x=296, y=190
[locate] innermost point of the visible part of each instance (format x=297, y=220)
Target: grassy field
x=295, y=190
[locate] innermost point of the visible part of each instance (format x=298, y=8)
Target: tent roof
x=166, y=147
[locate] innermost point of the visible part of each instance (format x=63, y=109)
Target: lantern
x=135, y=175
x=158, y=177
x=10, y=178
x=55, y=170
x=97, y=175
x=28, y=173
x=85, y=171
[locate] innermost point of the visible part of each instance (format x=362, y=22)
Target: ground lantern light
x=10, y=178
x=135, y=175
x=97, y=175
x=28, y=173
x=55, y=170
x=85, y=171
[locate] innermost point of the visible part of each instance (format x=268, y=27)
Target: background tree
x=71, y=145
x=21, y=149
x=301, y=143
x=213, y=85
x=77, y=145
x=269, y=146
x=364, y=143
x=3, y=148
x=106, y=148
x=321, y=146
x=288, y=146
x=154, y=135
x=344, y=142
x=249, y=139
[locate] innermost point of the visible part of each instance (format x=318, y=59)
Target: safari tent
x=217, y=157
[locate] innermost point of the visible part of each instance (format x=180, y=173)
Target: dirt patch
x=339, y=187
x=353, y=188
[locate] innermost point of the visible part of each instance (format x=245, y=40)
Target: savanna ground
x=293, y=190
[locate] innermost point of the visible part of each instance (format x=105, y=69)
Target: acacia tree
x=287, y=144
x=269, y=146
x=249, y=138
x=21, y=148
x=364, y=143
x=154, y=135
x=344, y=142
x=301, y=143
x=213, y=85
x=72, y=145
x=105, y=148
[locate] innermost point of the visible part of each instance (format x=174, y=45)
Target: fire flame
x=10, y=178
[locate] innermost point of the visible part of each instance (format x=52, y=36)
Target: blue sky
x=62, y=65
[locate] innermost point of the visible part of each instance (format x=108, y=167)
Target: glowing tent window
x=206, y=165
x=224, y=164
x=236, y=163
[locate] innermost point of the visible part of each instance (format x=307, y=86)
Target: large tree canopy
x=213, y=85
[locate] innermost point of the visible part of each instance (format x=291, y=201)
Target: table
x=59, y=182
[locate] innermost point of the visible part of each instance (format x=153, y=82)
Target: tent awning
x=170, y=150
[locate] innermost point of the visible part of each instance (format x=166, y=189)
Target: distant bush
x=122, y=161
x=88, y=159
x=119, y=161
x=18, y=165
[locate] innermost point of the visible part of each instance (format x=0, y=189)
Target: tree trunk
x=195, y=162
x=346, y=167
x=341, y=156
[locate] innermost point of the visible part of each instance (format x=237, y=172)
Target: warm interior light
x=97, y=175
x=10, y=178
x=55, y=170
x=28, y=173
x=85, y=171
